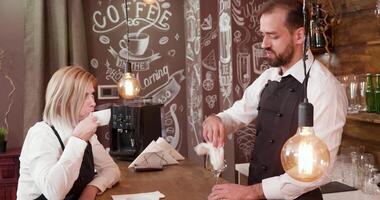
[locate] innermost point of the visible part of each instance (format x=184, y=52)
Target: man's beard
x=282, y=58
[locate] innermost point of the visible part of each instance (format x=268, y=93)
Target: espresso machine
x=133, y=126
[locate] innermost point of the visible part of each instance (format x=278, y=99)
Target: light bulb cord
x=305, y=56
x=127, y=29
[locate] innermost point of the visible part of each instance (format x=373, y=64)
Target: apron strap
x=59, y=138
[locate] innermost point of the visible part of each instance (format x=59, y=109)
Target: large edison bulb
x=305, y=157
x=149, y=1
x=128, y=86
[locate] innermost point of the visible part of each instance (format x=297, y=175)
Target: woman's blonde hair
x=65, y=94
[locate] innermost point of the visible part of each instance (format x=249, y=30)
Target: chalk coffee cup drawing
x=137, y=44
x=103, y=116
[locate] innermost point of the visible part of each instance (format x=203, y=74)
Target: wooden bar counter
x=183, y=181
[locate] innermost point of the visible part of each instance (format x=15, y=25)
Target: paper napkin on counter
x=216, y=154
x=153, y=155
x=169, y=148
x=140, y=196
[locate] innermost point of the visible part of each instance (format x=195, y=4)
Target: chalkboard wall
x=156, y=54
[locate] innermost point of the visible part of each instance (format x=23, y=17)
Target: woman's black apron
x=86, y=174
x=277, y=121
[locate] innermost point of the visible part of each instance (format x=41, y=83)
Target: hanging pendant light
x=149, y=1
x=128, y=86
x=305, y=157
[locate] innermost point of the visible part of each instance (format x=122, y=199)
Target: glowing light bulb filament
x=128, y=88
x=305, y=158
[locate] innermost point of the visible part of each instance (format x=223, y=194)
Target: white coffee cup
x=103, y=116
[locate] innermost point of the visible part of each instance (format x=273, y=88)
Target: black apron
x=277, y=121
x=86, y=173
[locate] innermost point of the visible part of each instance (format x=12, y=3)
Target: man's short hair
x=294, y=18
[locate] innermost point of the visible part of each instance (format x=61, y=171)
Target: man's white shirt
x=330, y=109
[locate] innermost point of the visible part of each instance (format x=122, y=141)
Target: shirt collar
x=297, y=70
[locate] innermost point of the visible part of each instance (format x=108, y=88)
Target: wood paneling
x=356, y=37
x=347, y=6
x=357, y=28
x=358, y=59
x=356, y=41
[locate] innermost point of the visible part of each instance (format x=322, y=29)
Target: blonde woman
x=60, y=155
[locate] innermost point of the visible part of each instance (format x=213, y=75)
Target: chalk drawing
x=207, y=23
x=94, y=63
x=208, y=83
x=245, y=138
x=209, y=62
x=225, y=65
x=211, y=100
x=173, y=135
x=171, y=52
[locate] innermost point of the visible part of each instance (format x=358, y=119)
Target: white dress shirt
x=44, y=168
x=330, y=109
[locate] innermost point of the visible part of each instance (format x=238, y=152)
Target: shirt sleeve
x=54, y=171
x=330, y=108
x=244, y=110
x=108, y=172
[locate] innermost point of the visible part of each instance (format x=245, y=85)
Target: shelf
x=365, y=117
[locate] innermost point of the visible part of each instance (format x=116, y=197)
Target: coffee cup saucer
x=125, y=54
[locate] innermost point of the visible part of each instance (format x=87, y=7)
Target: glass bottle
x=312, y=27
x=370, y=94
x=377, y=94
x=317, y=39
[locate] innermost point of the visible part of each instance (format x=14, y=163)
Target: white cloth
x=153, y=155
x=216, y=154
x=330, y=109
x=44, y=168
x=169, y=149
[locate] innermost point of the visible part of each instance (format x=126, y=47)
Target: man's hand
x=213, y=131
x=236, y=192
x=89, y=193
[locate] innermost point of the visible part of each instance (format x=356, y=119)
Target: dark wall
x=12, y=69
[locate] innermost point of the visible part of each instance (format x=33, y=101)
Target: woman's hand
x=89, y=193
x=86, y=128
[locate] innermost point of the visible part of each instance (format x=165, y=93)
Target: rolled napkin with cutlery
x=216, y=154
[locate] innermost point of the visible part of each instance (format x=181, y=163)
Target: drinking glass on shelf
x=370, y=180
x=353, y=98
x=344, y=82
x=362, y=87
x=366, y=162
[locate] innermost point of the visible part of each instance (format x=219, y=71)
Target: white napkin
x=153, y=155
x=169, y=148
x=216, y=154
x=103, y=116
x=140, y=196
